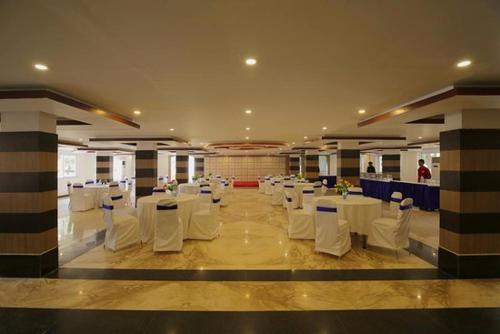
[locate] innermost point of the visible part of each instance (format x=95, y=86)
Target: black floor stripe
x=249, y=275
x=407, y=321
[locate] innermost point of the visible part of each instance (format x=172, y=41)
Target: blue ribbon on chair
x=89, y=182
x=405, y=207
x=288, y=185
x=308, y=191
x=355, y=193
x=206, y=191
x=277, y=181
x=123, y=181
x=113, y=185
x=325, y=209
x=158, y=190
x=160, y=178
x=77, y=186
x=117, y=197
x=286, y=179
x=216, y=200
x=397, y=200
x=172, y=206
x=107, y=207
x=289, y=199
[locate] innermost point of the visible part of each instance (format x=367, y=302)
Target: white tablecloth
x=146, y=210
x=359, y=211
x=97, y=191
x=189, y=188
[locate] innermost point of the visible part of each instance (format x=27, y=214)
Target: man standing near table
x=423, y=172
x=371, y=168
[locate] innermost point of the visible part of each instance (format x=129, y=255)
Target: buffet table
x=425, y=196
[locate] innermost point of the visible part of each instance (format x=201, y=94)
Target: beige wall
x=246, y=168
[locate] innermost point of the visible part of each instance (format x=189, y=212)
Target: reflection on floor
x=253, y=236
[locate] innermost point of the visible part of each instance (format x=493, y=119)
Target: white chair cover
x=158, y=191
x=289, y=190
x=277, y=196
x=356, y=191
x=168, y=228
x=268, y=190
x=204, y=224
x=396, y=198
x=300, y=223
x=332, y=234
x=121, y=230
x=317, y=189
x=79, y=200
x=225, y=193
x=307, y=198
x=392, y=233
x=324, y=186
x=121, y=206
x=161, y=181
x=114, y=188
x=261, y=185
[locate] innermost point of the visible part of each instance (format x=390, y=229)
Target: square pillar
x=104, y=167
x=199, y=166
x=391, y=164
x=28, y=194
x=294, y=164
x=469, y=218
x=312, y=167
x=348, y=163
x=181, y=167
x=146, y=169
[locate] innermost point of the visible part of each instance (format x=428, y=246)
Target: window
x=323, y=164
x=66, y=165
x=172, y=167
x=190, y=168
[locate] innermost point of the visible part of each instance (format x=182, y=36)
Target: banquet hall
x=249, y=167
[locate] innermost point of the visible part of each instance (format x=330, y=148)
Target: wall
x=246, y=168
x=122, y=171
x=163, y=164
x=333, y=165
x=85, y=170
x=409, y=166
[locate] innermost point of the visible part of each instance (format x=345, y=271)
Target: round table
x=358, y=210
x=146, y=210
x=97, y=191
x=189, y=188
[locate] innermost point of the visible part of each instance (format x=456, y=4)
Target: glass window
x=66, y=165
x=172, y=167
x=190, y=168
x=323, y=164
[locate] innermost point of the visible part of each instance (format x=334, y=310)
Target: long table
x=424, y=196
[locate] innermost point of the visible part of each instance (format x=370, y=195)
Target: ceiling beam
x=363, y=138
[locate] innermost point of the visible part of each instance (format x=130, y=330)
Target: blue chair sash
x=288, y=185
x=77, y=186
x=205, y=192
x=396, y=200
x=325, y=209
x=216, y=200
x=89, y=182
x=405, y=207
x=108, y=207
x=158, y=190
x=172, y=206
x=289, y=199
x=117, y=197
x=308, y=191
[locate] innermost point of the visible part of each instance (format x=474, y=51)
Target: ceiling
x=182, y=62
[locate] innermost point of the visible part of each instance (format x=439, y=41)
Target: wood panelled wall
x=104, y=168
x=246, y=168
x=348, y=165
x=181, y=168
x=146, y=164
x=391, y=164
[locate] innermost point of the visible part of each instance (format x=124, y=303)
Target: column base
x=469, y=266
x=20, y=265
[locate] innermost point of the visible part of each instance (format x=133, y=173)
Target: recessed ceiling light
x=419, y=137
x=305, y=137
x=247, y=138
x=250, y=61
x=248, y=129
x=324, y=128
x=464, y=63
x=41, y=67
x=293, y=143
x=81, y=139
x=137, y=112
x=172, y=129
x=361, y=111
x=248, y=111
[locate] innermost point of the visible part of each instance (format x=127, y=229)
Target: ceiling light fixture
x=293, y=143
x=137, y=112
x=420, y=137
x=324, y=128
x=247, y=138
x=172, y=129
x=305, y=137
x=248, y=111
x=41, y=67
x=250, y=61
x=361, y=111
x=248, y=129
x=464, y=63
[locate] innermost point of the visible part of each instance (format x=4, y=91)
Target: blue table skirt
x=331, y=179
x=424, y=196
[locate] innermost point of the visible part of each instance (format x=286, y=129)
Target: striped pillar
x=348, y=162
x=469, y=219
x=104, y=167
x=294, y=165
x=312, y=167
x=391, y=164
x=181, y=168
x=146, y=164
x=28, y=194
x=199, y=166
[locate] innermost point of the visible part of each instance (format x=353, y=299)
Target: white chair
x=225, y=193
x=205, y=197
x=332, y=234
x=159, y=191
x=261, y=185
x=324, y=186
x=123, y=185
x=114, y=189
x=79, y=200
x=396, y=198
x=204, y=224
x=392, y=233
x=161, y=181
x=317, y=189
x=358, y=191
x=300, y=222
x=121, y=206
x=121, y=230
x=168, y=228
x=307, y=198
x=277, y=196
x=268, y=190
x=289, y=190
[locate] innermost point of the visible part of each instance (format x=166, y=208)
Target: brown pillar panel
x=391, y=164
x=146, y=162
x=469, y=219
x=104, y=168
x=181, y=168
x=199, y=166
x=294, y=165
x=348, y=165
x=312, y=167
x=28, y=203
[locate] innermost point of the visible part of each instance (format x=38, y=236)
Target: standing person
x=371, y=168
x=423, y=172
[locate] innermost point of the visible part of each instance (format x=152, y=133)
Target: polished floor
x=253, y=235
x=252, y=279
